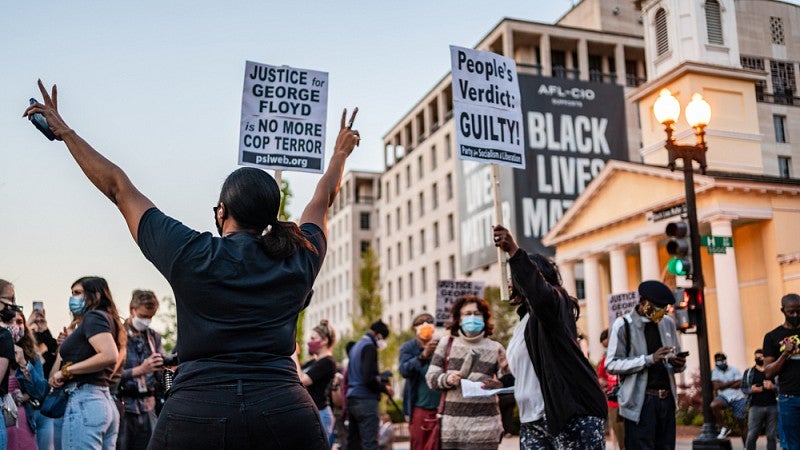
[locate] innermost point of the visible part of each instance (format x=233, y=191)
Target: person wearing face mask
x=8, y=311
x=762, y=402
x=27, y=388
x=782, y=361
x=317, y=374
x=727, y=381
x=561, y=403
x=469, y=353
x=141, y=373
x=420, y=403
x=364, y=388
x=643, y=350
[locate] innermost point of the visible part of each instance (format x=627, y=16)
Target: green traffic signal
x=679, y=266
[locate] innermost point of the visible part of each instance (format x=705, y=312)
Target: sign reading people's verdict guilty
x=486, y=108
x=284, y=110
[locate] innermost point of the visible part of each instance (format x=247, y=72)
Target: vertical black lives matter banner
x=572, y=128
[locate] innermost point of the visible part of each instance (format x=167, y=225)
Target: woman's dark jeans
x=240, y=416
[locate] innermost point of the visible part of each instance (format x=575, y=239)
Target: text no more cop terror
x=262, y=135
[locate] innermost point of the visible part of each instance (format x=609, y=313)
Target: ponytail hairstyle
x=549, y=270
x=97, y=296
x=325, y=330
x=252, y=197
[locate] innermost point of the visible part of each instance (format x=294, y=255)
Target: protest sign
x=621, y=304
x=447, y=291
x=284, y=110
x=486, y=108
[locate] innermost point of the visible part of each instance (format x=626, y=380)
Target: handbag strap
x=444, y=368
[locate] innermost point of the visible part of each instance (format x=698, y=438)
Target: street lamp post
x=698, y=114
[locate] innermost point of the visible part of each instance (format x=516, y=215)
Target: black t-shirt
x=789, y=376
x=657, y=375
x=321, y=373
x=6, y=351
x=764, y=398
x=76, y=347
x=237, y=307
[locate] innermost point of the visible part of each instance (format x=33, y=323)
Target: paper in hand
x=472, y=389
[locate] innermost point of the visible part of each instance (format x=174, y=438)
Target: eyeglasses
x=472, y=313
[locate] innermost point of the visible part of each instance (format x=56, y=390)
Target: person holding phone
x=237, y=386
x=644, y=351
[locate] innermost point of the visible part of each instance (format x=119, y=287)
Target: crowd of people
x=240, y=383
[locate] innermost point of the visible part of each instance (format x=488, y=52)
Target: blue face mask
x=472, y=324
x=77, y=305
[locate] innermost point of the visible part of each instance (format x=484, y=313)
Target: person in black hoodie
x=574, y=403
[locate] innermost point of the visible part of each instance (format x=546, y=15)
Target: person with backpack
x=763, y=402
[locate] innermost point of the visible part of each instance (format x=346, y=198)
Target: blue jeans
x=789, y=411
x=91, y=420
x=326, y=416
x=239, y=416
x=656, y=427
x=44, y=430
x=362, y=433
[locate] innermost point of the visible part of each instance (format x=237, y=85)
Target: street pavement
x=684, y=443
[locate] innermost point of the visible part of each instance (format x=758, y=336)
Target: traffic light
x=680, y=247
x=687, y=309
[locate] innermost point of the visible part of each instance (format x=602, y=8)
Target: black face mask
x=793, y=320
x=7, y=314
x=759, y=361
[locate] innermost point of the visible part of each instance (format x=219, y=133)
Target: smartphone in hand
x=38, y=306
x=41, y=124
x=682, y=354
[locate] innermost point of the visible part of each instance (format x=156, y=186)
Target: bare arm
x=316, y=211
x=104, y=174
x=107, y=354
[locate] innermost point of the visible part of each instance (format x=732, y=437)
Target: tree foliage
x=169, y=315
x=504, y=315
x=369, y=296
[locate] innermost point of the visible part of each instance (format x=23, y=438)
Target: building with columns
x=742, y=56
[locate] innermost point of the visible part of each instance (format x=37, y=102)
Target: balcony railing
x=778, y=99
x=632, y=80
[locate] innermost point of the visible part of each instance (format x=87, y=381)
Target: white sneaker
x=723, y=433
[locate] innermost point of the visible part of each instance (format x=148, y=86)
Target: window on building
x=435, y=234
x=411, y=284
x=776, y=30
x=783, y=81
x=399, y=253
x=400, y=320
x=451, y=228
x=423, y=275
x=422, y=241
x=779, y=122
x=420, y=168
x=437, y=272
x=421, y=204
x=714, y=22
x=662, y=37
x=435, y=194
x=389, y=292
x=400, y=297
x=397, y=184
x=785, y=166
x=388, y=192
x=408, y=176
x=363, y=220
x=558, y=59
x=410, y=248
x=449, y=186
x=451, y=262
x=448, y=147
x=596, y=68
x=409, y=214
x=388, y=224
x=397, y=218
x=433, y=157
x=580, y=288
x=389, y=258
x=364, y=246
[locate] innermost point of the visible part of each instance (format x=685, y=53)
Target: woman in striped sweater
x=468, y=423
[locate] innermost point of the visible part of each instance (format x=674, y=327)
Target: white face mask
x=382, y=344
x=140, y=324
